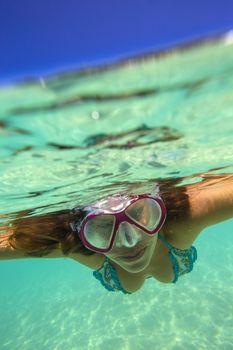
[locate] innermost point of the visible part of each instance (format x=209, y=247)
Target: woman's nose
x=127, y=235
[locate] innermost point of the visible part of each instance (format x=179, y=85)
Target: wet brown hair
x=175, y=199
x=38, y=236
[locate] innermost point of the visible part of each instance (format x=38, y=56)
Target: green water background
x=70, y=139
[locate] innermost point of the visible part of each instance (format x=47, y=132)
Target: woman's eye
x=143, y=215
x=137, y=213
x=104, y=225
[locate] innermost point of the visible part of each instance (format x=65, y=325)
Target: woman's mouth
x=133, y=257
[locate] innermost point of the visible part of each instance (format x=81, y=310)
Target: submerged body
x=210, y=202
x=151, y=259
x=206, y=203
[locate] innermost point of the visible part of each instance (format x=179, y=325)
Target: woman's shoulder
x=182, y=233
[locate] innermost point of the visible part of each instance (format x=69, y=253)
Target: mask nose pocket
x=127, y=235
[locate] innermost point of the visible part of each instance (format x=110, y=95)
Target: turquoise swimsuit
x=182, y=261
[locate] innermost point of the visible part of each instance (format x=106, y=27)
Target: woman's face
x=132, y=248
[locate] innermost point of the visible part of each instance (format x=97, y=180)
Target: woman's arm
x=200, y=205
x=211, y=201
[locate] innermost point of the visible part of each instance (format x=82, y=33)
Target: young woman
x=127, y=238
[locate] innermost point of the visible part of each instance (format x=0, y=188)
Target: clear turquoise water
x=73, y=138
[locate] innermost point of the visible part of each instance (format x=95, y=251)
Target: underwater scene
x=75, y=137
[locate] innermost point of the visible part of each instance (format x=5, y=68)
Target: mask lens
x=146, y=212
x=98, y=231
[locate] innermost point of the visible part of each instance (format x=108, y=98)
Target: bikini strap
x=167, y=244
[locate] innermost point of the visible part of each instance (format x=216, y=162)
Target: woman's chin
x=136, y=263
x=136, y=259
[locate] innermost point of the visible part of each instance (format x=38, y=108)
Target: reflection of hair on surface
x=137, y=137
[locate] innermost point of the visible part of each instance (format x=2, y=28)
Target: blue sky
x=43, y=36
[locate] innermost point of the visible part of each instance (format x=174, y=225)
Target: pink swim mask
x=98, y=229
